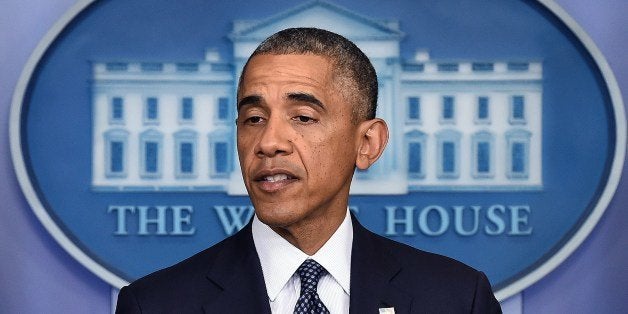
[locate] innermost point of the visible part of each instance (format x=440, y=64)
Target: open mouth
x=275, y=178
x=273, y=181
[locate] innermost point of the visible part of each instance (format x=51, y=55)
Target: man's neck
x=310, y=235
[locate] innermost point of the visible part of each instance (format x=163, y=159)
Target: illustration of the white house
x=454, y=125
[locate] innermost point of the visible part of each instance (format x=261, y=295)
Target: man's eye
x=254, y=119
x=305, y=119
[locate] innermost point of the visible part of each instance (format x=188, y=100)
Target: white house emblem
x=123, y=133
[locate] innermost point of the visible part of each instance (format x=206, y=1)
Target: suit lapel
x=238, y=274
x=241, y=289
x=372, y=274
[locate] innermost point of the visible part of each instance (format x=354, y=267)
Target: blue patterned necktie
x=309, y=302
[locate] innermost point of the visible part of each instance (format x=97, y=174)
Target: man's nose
x=274, y=139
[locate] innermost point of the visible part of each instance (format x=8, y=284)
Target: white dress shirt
x=280, y=260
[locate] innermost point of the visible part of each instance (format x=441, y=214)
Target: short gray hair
x=352, y=69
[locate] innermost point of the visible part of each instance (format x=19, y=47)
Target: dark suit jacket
x=227, y=278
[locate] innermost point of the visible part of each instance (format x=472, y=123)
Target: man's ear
x=373, y=136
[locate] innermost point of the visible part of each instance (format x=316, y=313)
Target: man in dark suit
x=306, y=119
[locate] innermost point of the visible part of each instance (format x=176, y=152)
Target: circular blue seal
x=507, y=129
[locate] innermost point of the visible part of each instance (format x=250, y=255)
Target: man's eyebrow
x=308, y=98
x=249, y=100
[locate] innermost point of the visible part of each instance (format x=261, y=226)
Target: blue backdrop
x=36, y=275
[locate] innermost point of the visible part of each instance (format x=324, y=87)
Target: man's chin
x=275, y=217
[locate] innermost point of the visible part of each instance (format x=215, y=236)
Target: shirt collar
x=280, y=259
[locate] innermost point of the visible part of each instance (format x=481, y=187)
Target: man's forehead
x=309, y=62
x=301, y=69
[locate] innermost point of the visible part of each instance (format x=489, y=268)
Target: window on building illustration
x=483, y=109
x=150, y=157
x=448, y=154
x=187, y=109
x=220, y=155
x=115, y=153
x=116, y=113
x=415, y=163
x=151, y=111
x=413, y=67
x=116, y=66
x=518, y=161
x=415, y=143
x=221, y=67
x=150, y=152
x=447, y=67
x=117, y=157
x=223, y=109
x=518, y=158
x=482, y=67
x=518, y=66
x=187, y=67
x=482, y=154
x=483, y=164
x=449, y=157
x=484, y=157
x=414, y=109
x=152, y=67
x=448, y=109
x=517, y=111
x=186, y=152
x=185, y=148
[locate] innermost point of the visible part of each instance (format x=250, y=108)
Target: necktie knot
x=309, y=302
x=310, y=273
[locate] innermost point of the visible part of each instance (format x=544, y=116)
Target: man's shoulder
x=418, y=267
x=438, y=283
x=420, y=259
x=189, y=269
x=184, y=284
x=185, y=271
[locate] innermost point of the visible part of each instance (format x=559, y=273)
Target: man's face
x=296, y=143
